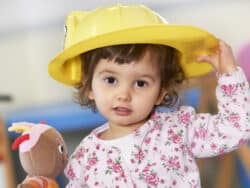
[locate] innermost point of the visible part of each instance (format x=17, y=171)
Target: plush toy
x=42, y=153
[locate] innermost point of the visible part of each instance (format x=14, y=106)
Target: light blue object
x=64, y=117
x=189, y=97
x=244, y=178
x=69, y=116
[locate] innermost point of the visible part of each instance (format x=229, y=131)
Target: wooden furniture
x=5, y=159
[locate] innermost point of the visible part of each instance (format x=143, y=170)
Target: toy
x=42, y=153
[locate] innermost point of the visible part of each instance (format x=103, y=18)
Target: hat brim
x=188, y=40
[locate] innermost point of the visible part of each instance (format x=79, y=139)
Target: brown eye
x=110, y=80
x=141, y=83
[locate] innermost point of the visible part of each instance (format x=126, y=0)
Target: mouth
x=122, y=111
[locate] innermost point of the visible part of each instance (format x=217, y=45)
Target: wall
x=25, y=53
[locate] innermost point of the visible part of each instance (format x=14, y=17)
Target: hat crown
x=127, y=24
x=83, y=25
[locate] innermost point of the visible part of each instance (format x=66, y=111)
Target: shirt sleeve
x=209, y=135
x=74, y=168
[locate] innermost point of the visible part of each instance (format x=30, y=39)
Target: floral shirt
x=162, y=152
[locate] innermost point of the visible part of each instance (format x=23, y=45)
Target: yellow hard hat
x=127, y=24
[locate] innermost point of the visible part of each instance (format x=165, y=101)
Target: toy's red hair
x=20, y=140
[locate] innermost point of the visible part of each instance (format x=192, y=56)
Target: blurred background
x=32, y=33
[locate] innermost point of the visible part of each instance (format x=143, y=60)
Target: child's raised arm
x=210, y=135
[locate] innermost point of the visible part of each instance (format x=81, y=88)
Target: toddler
x=125, y=61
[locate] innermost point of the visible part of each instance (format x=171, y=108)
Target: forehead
x=147, y=63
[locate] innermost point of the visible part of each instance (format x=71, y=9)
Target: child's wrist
x=227, y=70
x=232, y=77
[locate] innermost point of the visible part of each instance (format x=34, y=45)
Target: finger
x=206, y=58
x=203, y=58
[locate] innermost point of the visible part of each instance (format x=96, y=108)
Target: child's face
x=126, y=93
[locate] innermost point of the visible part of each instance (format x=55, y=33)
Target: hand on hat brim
x=222, y=59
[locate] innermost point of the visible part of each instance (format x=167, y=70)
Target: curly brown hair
x=171, y=72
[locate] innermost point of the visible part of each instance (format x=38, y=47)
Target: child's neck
x=115, y=131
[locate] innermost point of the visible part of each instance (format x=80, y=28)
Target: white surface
x=30, y=13
x=31, y=34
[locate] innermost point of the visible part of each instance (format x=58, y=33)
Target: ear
x=162, y=94
x=91, y=94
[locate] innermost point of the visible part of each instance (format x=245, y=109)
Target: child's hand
x=222, y=60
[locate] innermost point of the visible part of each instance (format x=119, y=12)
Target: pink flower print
x=139, y=155
x=109, y=161
x=237, y=125
x=70, y=172
x=137, y=132
x=228, y=90
x=147, y=140
x=79, y=153
x=185, y=169
x=184, y=118
x=132, y=161
x=170, y=131
x=172, y=162
x=193, y=145
x=86, y=178
x=154, y=117
x=117, y=168
x=86, y=150
x=201, y=133
x=242, y=141
x=221, y=151
x=163, y=157
x=234, y=118
x=97, y=146
x=175, y=138
x=114, y=166
x=174, y=183
x=150, y=177
x=155, y=148
x=213, y=146
x=181, y=146
x=157, y=126
x=92, y=161
x=167, y=118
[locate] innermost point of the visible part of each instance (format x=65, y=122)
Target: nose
x=123, y=94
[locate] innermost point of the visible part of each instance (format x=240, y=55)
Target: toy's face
x=48, y=157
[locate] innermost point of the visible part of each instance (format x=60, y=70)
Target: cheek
x=147, y=98
x=151, y=97
x=101, y=96
x=96, y=92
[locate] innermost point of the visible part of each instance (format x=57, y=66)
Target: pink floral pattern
x=165, y=148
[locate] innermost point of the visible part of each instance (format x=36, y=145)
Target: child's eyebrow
x=138, y=76
x=106, y=71
x=147, y=76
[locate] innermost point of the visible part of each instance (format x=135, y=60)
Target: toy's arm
x=38, y=182
x=24, y=185
x=21, y=127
